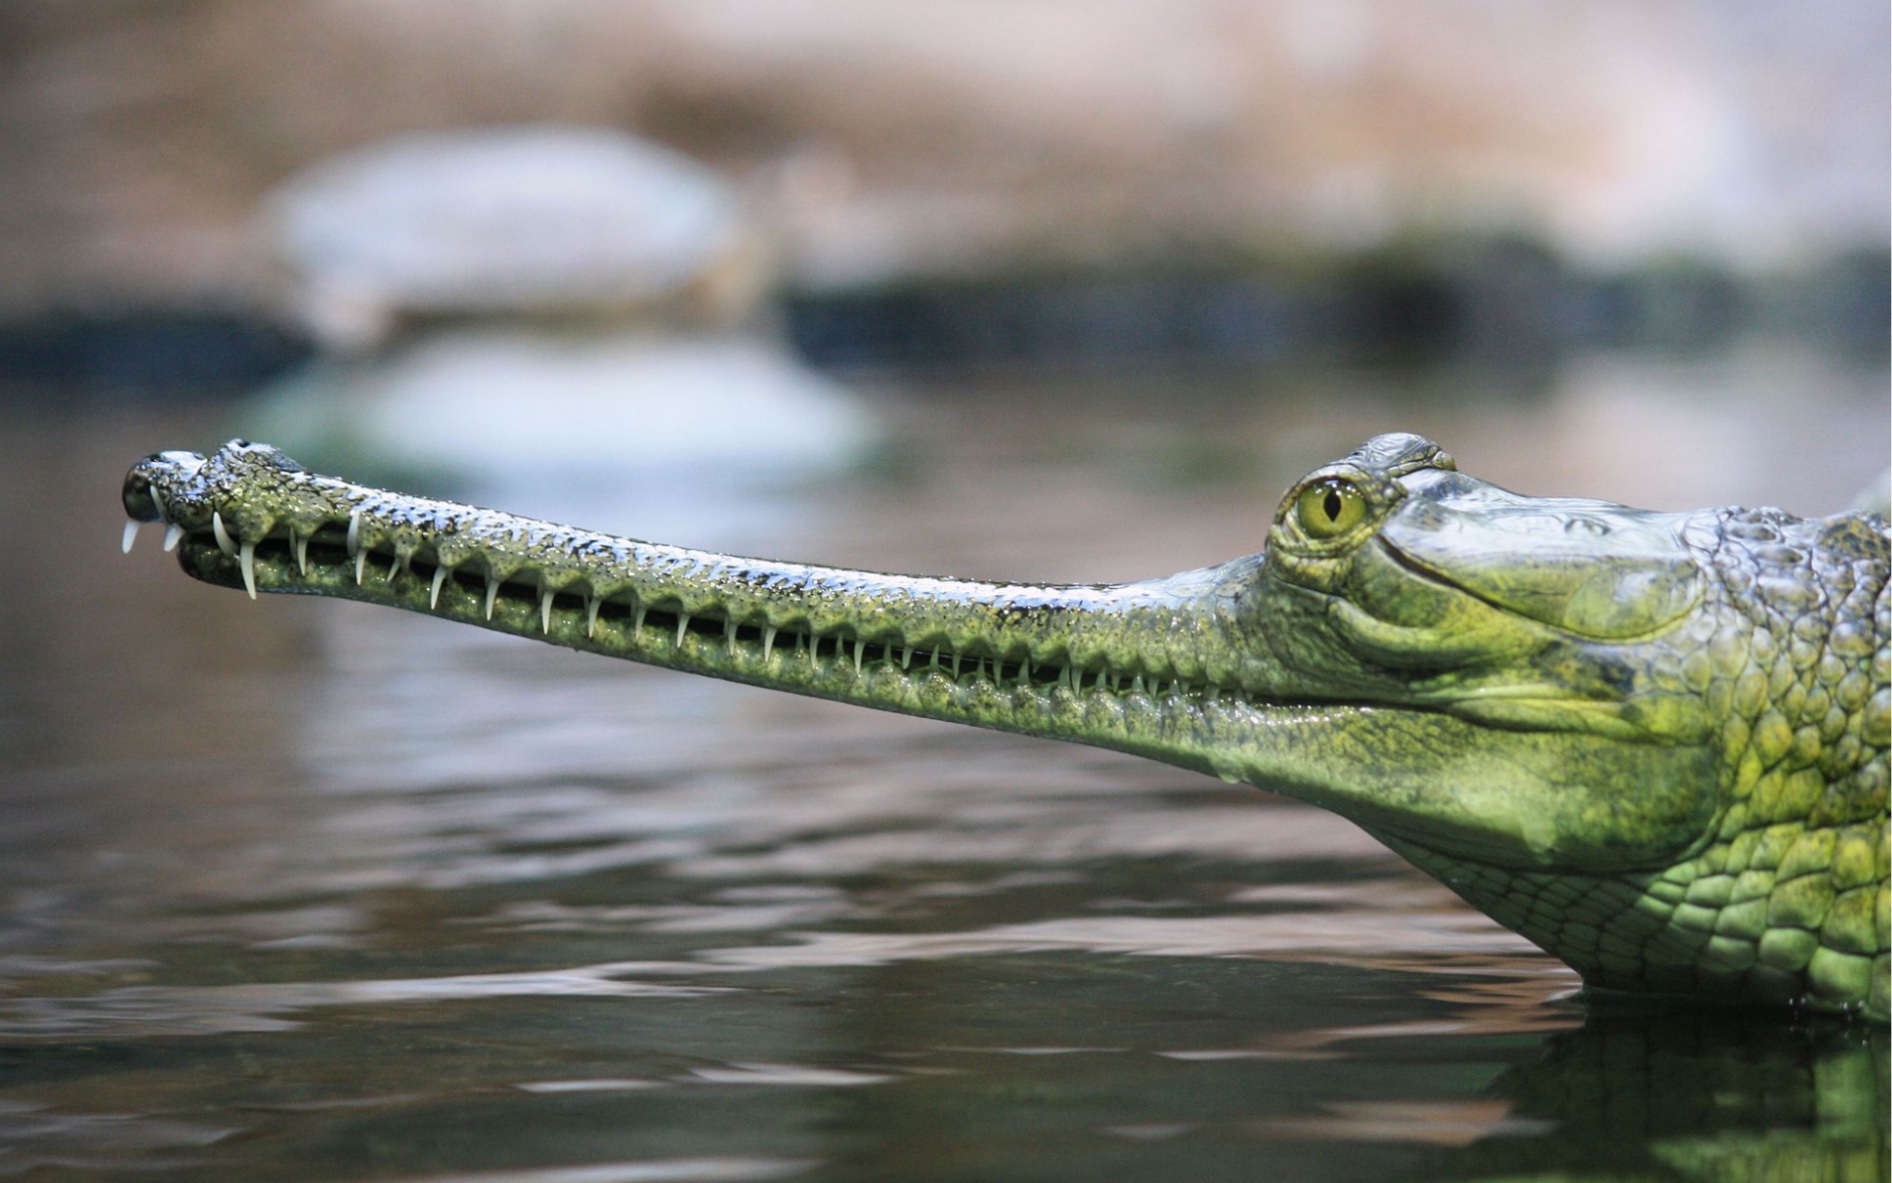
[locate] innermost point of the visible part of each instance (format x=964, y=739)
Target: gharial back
x=1785, y=900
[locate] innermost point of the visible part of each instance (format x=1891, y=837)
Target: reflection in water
x=1691, y=1095
x=305, y=891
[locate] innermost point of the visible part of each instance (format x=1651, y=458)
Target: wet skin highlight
x=1655, y=744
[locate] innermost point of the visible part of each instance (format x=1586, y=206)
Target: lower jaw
x=1168, y=720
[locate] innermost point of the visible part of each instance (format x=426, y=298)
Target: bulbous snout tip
x=143, y=502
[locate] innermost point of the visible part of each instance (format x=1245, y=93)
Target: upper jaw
x=322, y=535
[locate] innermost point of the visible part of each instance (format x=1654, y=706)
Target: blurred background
x=1029, y=289
x=211, y=196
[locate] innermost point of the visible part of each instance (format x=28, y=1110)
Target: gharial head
x=1488, y=673
x=1497, y=685
x=1414, y=647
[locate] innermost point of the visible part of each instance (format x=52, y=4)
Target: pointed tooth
x=955, y=665
x=1024, y=672
x=591, y=615
x=131, y=535
x=301, y=543
x=906, y=658
x=935, y=661
x=246, y=558
x=729, y=635
x=683, y=626
x=1136, y=684
x=361, y=566
x=768, y=641
x=860, y=647
x=492, y=593
x=433, y=592
x=172, y=533
x=354, y=534
x=164, y=511
x=545, y=610
x=224, y=542
x=637, y=621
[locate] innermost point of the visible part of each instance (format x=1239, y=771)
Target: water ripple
x=675, y=1170
x=139, y=1011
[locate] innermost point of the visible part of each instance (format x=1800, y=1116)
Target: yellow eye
x=1330, y=508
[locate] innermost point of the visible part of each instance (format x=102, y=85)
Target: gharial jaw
x=1204, y=669
x=1139, y=666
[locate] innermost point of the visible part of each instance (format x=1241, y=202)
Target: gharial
x=1655, y=744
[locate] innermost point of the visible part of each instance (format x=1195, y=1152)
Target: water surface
x=302, y=890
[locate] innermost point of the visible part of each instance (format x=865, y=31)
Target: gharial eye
x=1330, y=508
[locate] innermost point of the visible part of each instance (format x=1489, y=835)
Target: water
x=303, y=890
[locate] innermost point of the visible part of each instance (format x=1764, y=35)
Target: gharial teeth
x=433, y=593
x=683, y=626
x=729, y=634
x=545, y=610
x=354, y=533
x=361, y=565
x=591, y=616
x=768, y=642
x=172, y=534
x=131, y=535
x=301, y=541
x=860, y=647
x=246, y=558
x=224, y=543
x=492, y=593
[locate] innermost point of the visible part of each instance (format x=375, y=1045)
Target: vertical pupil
x=1331, y=504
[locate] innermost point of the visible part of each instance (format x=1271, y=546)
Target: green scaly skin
x=1652, y=743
